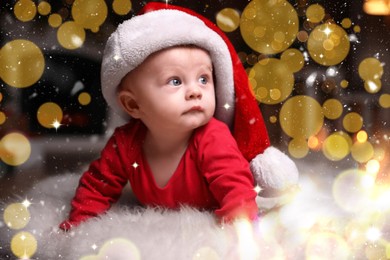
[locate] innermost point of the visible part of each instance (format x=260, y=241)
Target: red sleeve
x=227, y=173
x=102, y=184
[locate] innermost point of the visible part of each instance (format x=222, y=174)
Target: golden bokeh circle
x=346, y=23
x=228, y=19
x=344, y=83
x=3, y=118
x=89, y=14
x=55, y=20
x=16, y=216
x=336, y=147
x=49, y=113
x=302, y=36
x=315, y=13
x=370, y=69
x=21, y=63
x=328, y=44
x=25, y=10
x=332, y=108
x=84, y=98
x=44, y=8
x=352, y=122
x=272, y=81
x=15, y=149
x=24, y=245
x=71, y=35
x=264, y=22
x=110, y=248
x=373, y=85
x=384, y=100
x=362, y=151
x=298, y=148
x=294, y=59
x=121, y=7
x=301, y=117
x=357, y=29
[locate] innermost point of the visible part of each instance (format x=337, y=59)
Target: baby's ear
x=129, y=104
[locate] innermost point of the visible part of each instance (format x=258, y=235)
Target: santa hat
x=160, y=26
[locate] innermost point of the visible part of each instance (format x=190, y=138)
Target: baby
x=171, y=73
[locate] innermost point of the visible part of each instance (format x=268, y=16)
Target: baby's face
x=173, y=89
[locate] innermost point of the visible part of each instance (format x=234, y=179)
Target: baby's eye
x=175, y=82
x=203, y=80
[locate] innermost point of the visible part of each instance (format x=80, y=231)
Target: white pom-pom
x=274, y=170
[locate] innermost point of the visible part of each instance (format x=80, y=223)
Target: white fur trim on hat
x=274, y=169
x=137, y=38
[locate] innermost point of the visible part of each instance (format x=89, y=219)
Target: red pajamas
x=212, y=175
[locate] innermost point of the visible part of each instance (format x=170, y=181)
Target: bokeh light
x=294, y=59
x=362, y=151
x=328, y=44
x=228, y=19
x=332, y=108
x=301, y=117
x=370, y=68
x=44, y=8
x=327, y=245
x=371, y=71
x=25, y=10
x=269, y=27
x=21, y=63
x=273, y=119
x=298, y=147
x=336, y=146
x=55, y=20
x=315, y=13
x=49, y=113
x=71, y=35
x=350, y=190
x=346, y=23
x=84, y=98
x=15, y=149
x=89, y=14
x=352, y=122
x=373, y=85
x=384, y=100
x=313, y=142
x=361, y=136
x=373, y=167
x=16, y=216
x=357, y=29
x=117, y=248
x=272, y=80
x=24, y=245
x=3, y=118
x=121, y=7
x=344, y=83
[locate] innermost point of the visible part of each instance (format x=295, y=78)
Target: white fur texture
x=155, y=233
x=275, y=170
x=310, y=225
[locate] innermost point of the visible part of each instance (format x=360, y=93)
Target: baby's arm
x=228, y=174
x=99, y=187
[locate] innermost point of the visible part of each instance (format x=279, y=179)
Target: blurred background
x=319, y=70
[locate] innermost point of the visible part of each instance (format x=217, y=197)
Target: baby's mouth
x=194, y=109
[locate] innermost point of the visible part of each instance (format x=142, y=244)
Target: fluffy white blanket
x=309, y=226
